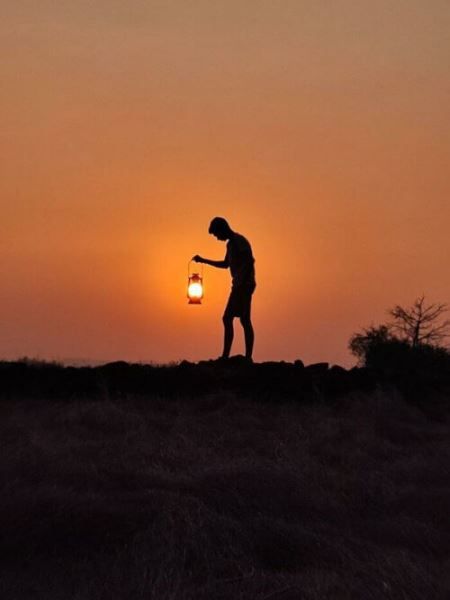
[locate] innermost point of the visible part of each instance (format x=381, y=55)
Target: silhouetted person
x=239, y=259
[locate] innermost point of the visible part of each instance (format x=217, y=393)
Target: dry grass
x=223, y=498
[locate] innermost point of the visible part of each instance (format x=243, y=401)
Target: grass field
x=223, y=498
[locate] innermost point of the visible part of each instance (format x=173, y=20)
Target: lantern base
x=195, y=301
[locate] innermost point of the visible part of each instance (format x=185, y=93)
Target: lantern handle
x=189, y=268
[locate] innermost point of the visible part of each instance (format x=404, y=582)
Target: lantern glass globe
x=195, y=290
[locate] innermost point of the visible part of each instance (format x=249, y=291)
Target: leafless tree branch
x=419, y=323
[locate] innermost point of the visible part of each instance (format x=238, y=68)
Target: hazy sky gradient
x=320, y=129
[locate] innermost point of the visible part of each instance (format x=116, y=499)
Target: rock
x=317, y=369
x=338, y=380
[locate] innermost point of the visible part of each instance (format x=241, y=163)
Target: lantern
x=195, y=286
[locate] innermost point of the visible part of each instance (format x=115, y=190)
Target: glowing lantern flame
x=195, y=288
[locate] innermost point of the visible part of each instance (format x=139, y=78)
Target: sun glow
x=293, y=124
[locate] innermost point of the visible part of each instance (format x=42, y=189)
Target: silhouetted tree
x=411, y=341
x=420, y=324
x=362, y=342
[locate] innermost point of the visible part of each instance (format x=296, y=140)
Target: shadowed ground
x=219, y=496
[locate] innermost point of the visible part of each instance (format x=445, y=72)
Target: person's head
x=220, y=228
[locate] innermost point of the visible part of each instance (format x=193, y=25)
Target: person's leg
x=228, y=334
x=245, y=316
x=249, y=336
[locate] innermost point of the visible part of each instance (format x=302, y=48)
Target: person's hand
x=197, y=258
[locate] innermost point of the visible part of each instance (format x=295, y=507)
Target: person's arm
x=220, y=264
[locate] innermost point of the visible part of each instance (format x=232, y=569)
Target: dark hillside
x=421, y=378
x=113, y=492
x=264, y=381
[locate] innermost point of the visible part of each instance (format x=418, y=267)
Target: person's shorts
x=240, y=301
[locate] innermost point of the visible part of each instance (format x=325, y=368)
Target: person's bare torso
x=240, y=260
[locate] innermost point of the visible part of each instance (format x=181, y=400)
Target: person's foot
x=240, y=359
x=222, y=358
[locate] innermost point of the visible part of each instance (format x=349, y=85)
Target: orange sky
x=320, y=129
